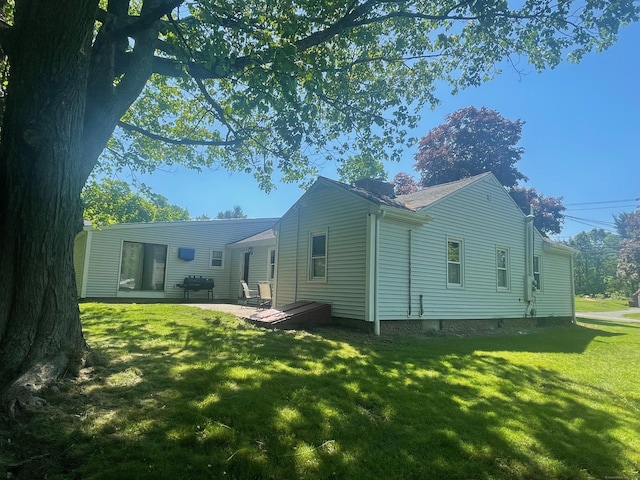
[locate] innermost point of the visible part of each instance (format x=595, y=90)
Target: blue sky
x=581, y=140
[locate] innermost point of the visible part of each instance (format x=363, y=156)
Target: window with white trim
x=502, y=268
x=318, y=256
x=537, y=278
x=271, y=266
x=454, y=262
x=216, y=258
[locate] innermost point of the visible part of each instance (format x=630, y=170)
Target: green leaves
x=113, y=201
x=470, y=142
x=281, y=85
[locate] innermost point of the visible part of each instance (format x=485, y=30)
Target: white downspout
x=295, y=287
x=376, y=249
x=573, y=289
x=274, y=289
x=371, y=268
x=528, y=252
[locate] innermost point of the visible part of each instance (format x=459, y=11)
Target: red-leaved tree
x=404, y=183
x=629, y=253
x=474, y=141
x=470, y=142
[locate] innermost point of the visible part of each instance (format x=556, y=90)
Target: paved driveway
x=615, y=316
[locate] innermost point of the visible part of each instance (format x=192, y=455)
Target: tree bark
x=62, y=104
x=40, y=183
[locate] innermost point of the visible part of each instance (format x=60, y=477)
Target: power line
x=603, y=208
x=603, y=202
x=592, y=223
x=591, y=220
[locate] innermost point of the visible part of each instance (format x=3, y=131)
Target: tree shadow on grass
x=570, y=339
x=215, y=398
x=607, y=323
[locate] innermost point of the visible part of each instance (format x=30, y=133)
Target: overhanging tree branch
x=174, y=141
x=133, y=25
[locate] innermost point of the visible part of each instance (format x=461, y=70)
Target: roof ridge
x=429, y=195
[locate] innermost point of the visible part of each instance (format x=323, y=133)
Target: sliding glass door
x=143, y=266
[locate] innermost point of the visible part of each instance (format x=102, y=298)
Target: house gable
x=340, y=215
x=482, y=222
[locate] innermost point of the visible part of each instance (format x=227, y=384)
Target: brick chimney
x=379, y=188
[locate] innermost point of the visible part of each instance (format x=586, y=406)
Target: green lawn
x=600, y=304
x=193, y=394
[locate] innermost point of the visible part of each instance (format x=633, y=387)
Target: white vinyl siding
x=485, y=216
x=556, y=296
x=393, y=270
x=482, y=215
x=409, y=280
x=344, y=217
x=104, y=264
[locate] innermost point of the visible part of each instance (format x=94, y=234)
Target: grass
x=197, y=394
x=600, y=304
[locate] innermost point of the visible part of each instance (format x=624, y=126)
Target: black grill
x=195, y=284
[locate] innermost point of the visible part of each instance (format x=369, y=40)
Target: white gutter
x=405, y=216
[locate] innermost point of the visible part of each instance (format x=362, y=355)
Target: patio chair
x=250, y=296
x=264, y=291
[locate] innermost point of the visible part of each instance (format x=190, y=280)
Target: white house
x=149, y=260
x=463, y=251
x=455, y=256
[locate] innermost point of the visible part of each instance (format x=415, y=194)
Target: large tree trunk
x=41, y=177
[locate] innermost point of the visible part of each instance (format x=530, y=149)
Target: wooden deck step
x=293, y=315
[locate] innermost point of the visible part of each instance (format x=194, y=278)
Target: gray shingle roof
x=411, y=201
x=377, y=199
x=429, y=195
x=266, y=235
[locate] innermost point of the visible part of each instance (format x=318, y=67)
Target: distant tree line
x=111, y=201
x=608, y=263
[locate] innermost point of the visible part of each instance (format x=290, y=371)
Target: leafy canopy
x=596, y=263
x=279, y=86
x=628, y=226
x=470, y=142
x=112, y=201
x=403, y=183
x=548, y=212
x=358, y=167
x=474, y=141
